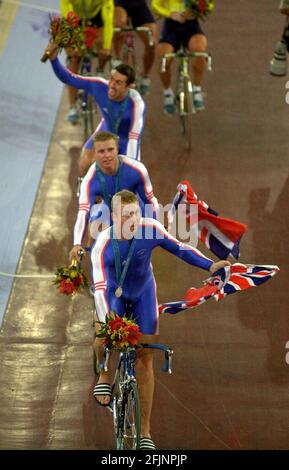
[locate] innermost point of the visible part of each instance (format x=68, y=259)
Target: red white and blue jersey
x=133, y=176
x=132, y=120
x=139, y=287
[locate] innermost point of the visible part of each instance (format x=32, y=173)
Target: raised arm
x=136, y=125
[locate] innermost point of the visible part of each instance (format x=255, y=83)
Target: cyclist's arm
x=145, y=191
x=90, y=84
x=107, y=14
x=84, y=206
x=99, y=275
x=185, y=252
x=136, y=125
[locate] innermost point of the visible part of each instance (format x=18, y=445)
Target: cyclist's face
x=106, y=155
x=117, y=86
x=126, y=217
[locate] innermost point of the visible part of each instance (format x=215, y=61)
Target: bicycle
x=129, y=52
x=125, y=402
x=184, y=102
x=86, y=100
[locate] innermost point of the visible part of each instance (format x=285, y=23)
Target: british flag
x=221, y=235
x=225, y=281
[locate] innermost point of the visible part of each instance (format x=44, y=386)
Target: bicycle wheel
x=185, y=108
x=130, y=432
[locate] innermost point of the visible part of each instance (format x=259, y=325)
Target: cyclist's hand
x=179, y=17
x=52, y=50
x=74, y=253
x=219, y=265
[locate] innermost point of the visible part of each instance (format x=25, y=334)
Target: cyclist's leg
x=117, y=305
x=103, y=54
x=120, y=21
x=168, y=43
x=145, y=310
x=197, y=42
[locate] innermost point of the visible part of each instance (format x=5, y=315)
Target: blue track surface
x=29, y=100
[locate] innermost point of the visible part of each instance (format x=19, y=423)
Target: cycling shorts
x=137, y=10
x=179, y=34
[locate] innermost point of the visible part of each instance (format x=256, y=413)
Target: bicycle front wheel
x=128, y=418
x=185, y=108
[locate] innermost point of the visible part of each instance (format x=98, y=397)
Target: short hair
x=128, y=71
x=125, y=197
x=103, y=136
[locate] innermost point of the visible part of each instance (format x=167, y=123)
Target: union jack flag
x=225, y=281
x=221, y=235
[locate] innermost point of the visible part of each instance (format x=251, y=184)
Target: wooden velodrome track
x=230, y=382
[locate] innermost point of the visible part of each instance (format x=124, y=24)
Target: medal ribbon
x=107, y=198
x=121, y=274
x=115, y=121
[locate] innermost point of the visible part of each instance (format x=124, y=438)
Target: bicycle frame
x=87, y=104
x=125, y=404
x=184, y=88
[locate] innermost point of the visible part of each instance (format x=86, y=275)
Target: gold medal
x=118, y=292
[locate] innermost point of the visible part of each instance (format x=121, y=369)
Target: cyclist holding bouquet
x=98, y=16
x=182, y=27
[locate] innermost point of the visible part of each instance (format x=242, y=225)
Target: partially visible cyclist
x=122, y=107
x=180, y=27
x=99, y=14
x=140, y=15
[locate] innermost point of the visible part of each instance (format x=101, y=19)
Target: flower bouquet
x=119, y=333
x=70, y=279
x=70, y=33
x=201, y=8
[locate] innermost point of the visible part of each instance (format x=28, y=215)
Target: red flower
x=116, y=323
x=89, y=36
x=66, y=287
x=202, y=6
x=72, y=19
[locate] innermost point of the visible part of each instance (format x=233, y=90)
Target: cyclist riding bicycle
x=180, y=27
x=122, y=107
x=96, y=13
x=122, y=273
x=140, y=15
x=109, y=174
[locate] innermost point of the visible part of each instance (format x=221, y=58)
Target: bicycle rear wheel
x=185, y=105
x=127, y=418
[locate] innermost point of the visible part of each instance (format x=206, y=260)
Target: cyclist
x=140, y=15
x=98, y=13
x=122, y=107
x=180, y=27
x=108, y=175
x=130, y=242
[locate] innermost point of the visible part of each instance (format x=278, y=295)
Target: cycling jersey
x=132, y=121
x=139, y=289
x=132, y=176
x=166, y=7
x=90, y=9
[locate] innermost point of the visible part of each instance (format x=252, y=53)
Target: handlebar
x=190, y=55
x=166, y=367
x=168, y=355
x=138, y=29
